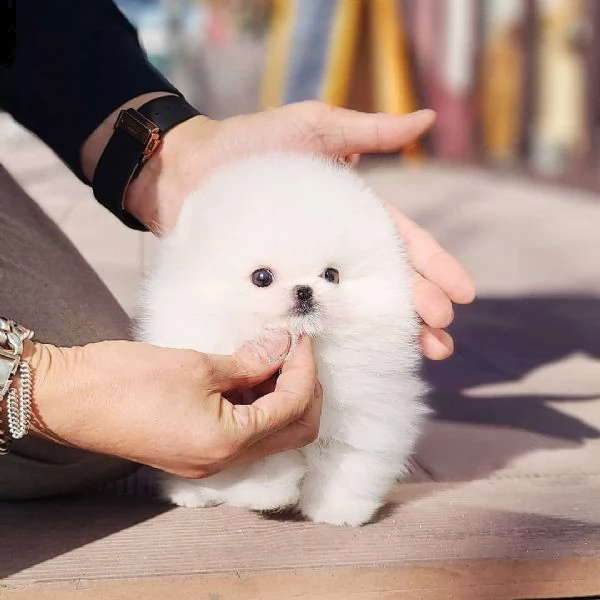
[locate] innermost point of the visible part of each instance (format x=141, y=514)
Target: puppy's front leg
x=345, y=486
x=272, y=483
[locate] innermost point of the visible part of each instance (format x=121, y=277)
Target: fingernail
x=425, y=112
x=276, y=346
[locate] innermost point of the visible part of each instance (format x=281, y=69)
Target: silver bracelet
x=16, y=418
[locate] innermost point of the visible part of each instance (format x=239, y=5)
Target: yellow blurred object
x=342, y=52
x=278, y=46
x=392, y=80
x=501, y=90
x=390, y=76
x=560, y=101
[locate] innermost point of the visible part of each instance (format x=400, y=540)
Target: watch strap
x=168, y=111
x=136, y=136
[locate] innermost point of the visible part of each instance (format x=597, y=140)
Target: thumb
x=248, y=366
x=346, y=131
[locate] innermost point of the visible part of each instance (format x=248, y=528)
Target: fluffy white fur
x=298, y=215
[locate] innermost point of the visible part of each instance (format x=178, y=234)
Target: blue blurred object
x=150, y=19
x=163, y=26
x=138, y=10
x=310, y=49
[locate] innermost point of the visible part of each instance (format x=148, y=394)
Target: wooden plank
x=101, y=539
x=467, y=581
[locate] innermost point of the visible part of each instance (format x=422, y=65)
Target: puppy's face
x=299, y=271
x=294, y=245
x=302, y=300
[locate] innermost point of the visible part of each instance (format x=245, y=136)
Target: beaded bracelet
x=15, y=415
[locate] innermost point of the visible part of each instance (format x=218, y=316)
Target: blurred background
x=515, y=83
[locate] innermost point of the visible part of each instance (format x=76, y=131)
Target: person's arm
x=168, y=408
x=75, y=64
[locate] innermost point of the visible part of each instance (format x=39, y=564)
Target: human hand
x=167, y=408
x=193, y=149
x=439, y=280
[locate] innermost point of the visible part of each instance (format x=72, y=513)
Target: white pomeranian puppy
x=296, y=242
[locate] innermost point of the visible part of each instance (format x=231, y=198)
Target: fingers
x=249, y=366
x=431, y=303
x=297, y=434
x=353, y=160
x=291, y=400
x=435, y=309
x=248, y=396
x=433, y=262
x=436, y=344
x=343, y=132
x=293, y=394
x=439, y=280
x=265, y=387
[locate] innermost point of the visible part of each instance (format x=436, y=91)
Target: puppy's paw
x=188, y=493
x=340, y=511
x=277, y=488
x=191, y=499
x=275, y=498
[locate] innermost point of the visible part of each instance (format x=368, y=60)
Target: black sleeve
x=75, y=62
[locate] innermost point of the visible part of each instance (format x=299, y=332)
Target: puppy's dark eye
x=332, y=275
x=262, y=277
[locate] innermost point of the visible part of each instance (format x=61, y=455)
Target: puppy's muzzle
x=304, y=303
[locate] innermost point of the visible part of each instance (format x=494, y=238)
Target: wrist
x=94, y=145
x=39, y=358
x=15, y=383
x=135, y=157
x=155, y=196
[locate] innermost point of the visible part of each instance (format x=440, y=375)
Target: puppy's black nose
x=303, y=292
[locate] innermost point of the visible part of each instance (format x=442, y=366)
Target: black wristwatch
x=137, y=135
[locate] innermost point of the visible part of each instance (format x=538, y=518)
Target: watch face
x=139, y=128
